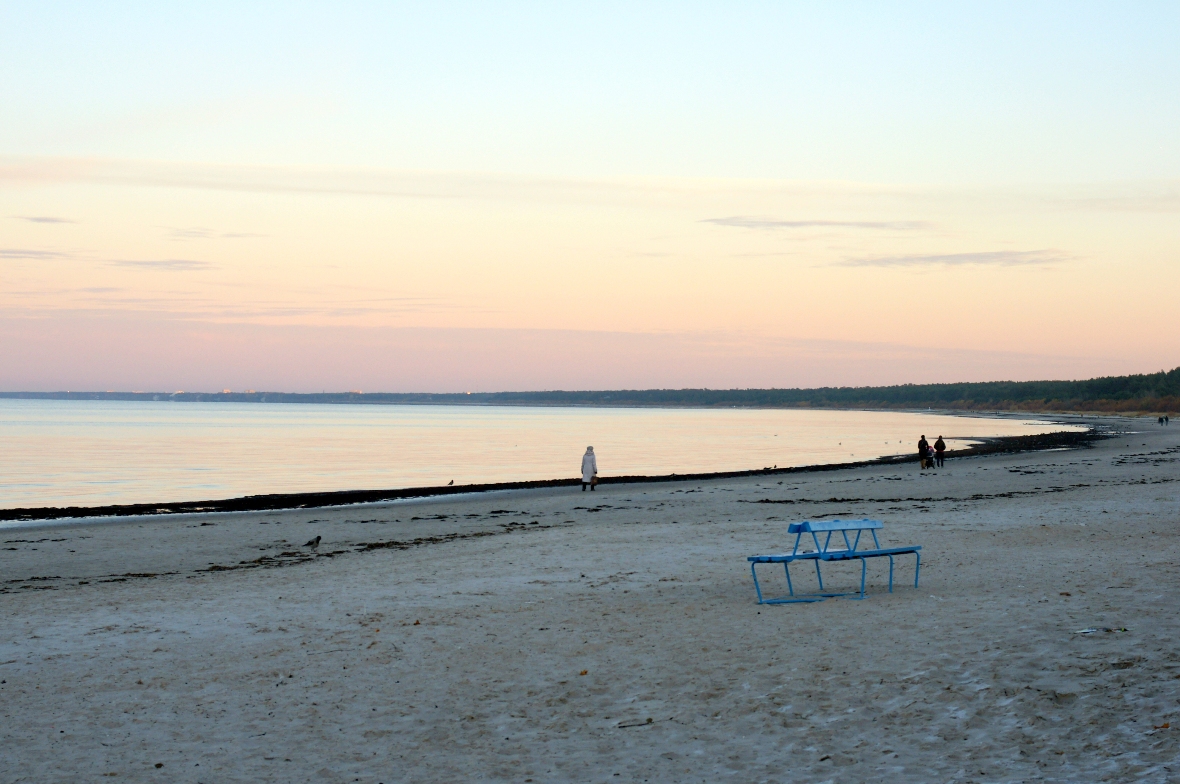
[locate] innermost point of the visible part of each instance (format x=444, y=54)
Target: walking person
x=589, y=469
x=923, y=447
x=939, y=449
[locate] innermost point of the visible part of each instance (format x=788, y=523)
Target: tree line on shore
x=1151, y=392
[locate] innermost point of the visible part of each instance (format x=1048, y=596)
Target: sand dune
x=555, y=635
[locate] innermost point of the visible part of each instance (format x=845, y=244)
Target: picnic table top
x=844, y=547
x=820, y=526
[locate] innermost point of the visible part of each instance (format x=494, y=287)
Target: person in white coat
x=589, y=469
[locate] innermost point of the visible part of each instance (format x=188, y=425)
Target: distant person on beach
x=923, y=446
x=939, y=449
x=589, y=469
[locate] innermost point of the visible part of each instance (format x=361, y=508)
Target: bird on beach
x=314, y=543
x=450, y=483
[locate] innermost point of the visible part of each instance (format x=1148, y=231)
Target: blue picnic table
x=845, y=547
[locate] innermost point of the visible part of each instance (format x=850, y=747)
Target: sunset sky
x=510, y=196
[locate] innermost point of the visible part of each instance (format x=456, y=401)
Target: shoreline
x=338, y=498
x=1131, y=394
x=983, y=412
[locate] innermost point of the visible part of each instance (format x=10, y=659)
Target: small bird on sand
x=314, y=543
x=450, y=483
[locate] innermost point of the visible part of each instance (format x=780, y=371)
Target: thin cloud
x=743, y=222
x=279, y=179
x=179, y=265
x=25, y=253
x=196, y=233
x=42, y=219
x=403, y=184
x=201, y=233
x=47, y=255
x=364, y=181
x=1000, y=258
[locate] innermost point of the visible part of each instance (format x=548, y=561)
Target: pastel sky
x=495, y=196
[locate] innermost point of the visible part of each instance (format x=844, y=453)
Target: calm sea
x=87, y=453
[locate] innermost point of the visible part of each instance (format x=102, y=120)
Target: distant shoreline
x=276, y=501
x=1153, y=393
x=489, y=400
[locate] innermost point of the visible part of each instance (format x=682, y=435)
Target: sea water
x=88, y=453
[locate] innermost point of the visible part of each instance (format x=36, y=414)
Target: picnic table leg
x=819, y=576
x=891, y=574
x=917, y=567
x=863, y=568
x=787, y=570
x=754, y=571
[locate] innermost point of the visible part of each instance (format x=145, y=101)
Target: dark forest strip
x=1151, y=392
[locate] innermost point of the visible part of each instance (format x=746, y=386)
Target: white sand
x=461, y=660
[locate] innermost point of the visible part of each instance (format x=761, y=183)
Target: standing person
x=923, y=445
x=589, y=469
x=939, y=448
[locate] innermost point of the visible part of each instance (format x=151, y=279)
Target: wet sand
x=558, y=635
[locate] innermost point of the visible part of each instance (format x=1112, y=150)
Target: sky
x=517, y=196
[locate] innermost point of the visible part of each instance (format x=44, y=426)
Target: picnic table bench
x=846, y=547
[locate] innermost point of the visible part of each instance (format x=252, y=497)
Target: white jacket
x=589, y=466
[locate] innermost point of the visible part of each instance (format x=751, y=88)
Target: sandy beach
x=559, y=635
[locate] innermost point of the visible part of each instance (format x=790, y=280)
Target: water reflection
x=55, y=453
